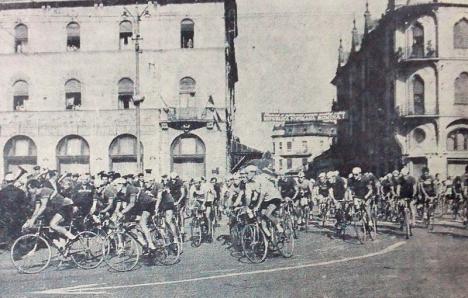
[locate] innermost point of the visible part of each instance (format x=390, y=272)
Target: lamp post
x=137, y=98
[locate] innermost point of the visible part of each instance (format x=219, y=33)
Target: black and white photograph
x=234, y=148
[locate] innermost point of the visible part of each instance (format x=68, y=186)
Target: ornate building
x=69, y=80
x=405, y=86
x=296, y=144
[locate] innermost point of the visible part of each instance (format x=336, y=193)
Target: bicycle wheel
x=30, y=254
x=407, y=223
x=285, y=240
x=360, y=230
x=371, y=228
x=88, y=250
x=123, y=254
x=306, y=217
x=254, y=244
x=172, y=247
x=324, y=216
x=196, y=232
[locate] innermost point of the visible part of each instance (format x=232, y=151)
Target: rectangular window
x=280, y=164
x=305, y=146
x=73, y=100
x=280, y=147
x=289, y=146
x=274, y=148
x=124, y=101
x=18, y=103
x=304, y=161
x=289, y=163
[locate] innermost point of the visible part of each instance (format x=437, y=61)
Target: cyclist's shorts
x=66, y=212
x=146, y=206
x=167, y=205
x=276, y=202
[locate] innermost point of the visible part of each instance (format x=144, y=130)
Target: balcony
x=189, y=118
x=296, y=153
x=416, y=54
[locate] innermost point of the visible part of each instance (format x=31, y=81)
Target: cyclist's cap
x=395, y=172
x=164, y=176
x=251, y=168
x=119, y=181
x=141, y=175
x=322, y=175
x=242, y=171
x=404, y=171
x=425, y=170
x=202, y=178
x=236, y=176
x=357, y=170
x=36, y=168
x=76, y=175
x=173, y=175
x=214, y=179
x=9, y=177
x=337, y=173
x=330, y=174
x=301, y=174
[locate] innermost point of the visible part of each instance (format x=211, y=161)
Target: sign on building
x=292, y=117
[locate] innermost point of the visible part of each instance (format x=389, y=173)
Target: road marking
x=92, y=289
x=221, y=270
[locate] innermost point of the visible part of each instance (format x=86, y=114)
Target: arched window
x=21, y=38
x=461, y=89
x=460, y=34
x=187, y=92
x=417, y=50
x=19, y=151
x=73, y=155
x=126, y=90
x=73, y=36
x=72, y=94
x=188, y=156
x=418, y=95
x=123, y=154
x=187, y=33
x=125, y=33
x=457, y=140
x=20, y=95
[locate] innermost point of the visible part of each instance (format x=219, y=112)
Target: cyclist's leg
x=269, y=214
x=64, y=214
x=144, y=228
x=413, y=210
x=169, y=221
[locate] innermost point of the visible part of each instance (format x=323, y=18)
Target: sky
x=287, y=56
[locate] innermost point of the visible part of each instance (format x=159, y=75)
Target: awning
x=21, y=32
x=73, y=86
x=126, y=27
x=125, y=86
x=73, y=30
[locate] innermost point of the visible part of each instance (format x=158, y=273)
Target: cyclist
x=387, y=195
x=165, y=203
x=58, y=207
x=427, y=189
x=322, y=192
x=337, y=194
x=361, y=190
x=178, y=193
x=287, y=187
x=208, y=196
x=406, y=190
x=303, y=193
x=457, y=190
x=263, y=196
x=84, y=197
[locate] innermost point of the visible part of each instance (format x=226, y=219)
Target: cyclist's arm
x=182, y=195
x=93, y=207
x=130, y=204
x=40, y=208
x=369, y=192
x=296, y=192
x=158, y=201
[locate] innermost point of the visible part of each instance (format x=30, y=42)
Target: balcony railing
x=410, y=113
x=188, y=118
x=416, y=53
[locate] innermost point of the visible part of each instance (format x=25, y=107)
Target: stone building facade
x=405, y=86
x=296, y=144
x=69, y=76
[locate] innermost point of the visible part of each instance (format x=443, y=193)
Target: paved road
x=428, y=265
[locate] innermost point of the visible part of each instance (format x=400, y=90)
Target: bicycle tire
x=196, y=233
x=88, y=250
x=254, y=244
x=359, y=230
x=172, y=249
x=122, y=257
x=306, y=219
x=286, y=237
x=27, y=245
x=407, y=223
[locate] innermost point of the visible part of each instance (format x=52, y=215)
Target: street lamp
x=137, y=99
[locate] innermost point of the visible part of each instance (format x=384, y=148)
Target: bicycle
x=32, y=253
x=254, y=241
x=364, y=223
x=428, y=216
x=288, y=209
x=324, y=210
x=404, y=216
x=343, y=218
x=199, y=227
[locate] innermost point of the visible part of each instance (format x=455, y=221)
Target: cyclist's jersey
x=175, y=187
x=83, y=196
x=360, y=187
x=261, y=185
x=339, y=188
x=197, y=192
x=164, y=192
x=209, y=191
x=406, y=186
x=304, y=187
x=457, y=187
x=427, y=183
x=287, y=186
x=448, y=187
x=129, y=193
x=54, y=203
x=323, y=188
x=387, y=186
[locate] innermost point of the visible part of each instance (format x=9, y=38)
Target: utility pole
x=137, y=98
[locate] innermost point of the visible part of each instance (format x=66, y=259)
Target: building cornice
x=28, y=4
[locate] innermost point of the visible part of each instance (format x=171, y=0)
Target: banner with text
x=296, y=117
